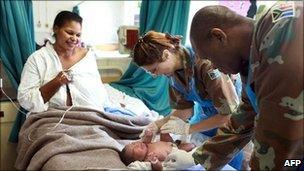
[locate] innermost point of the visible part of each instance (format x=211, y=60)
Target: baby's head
x=135, y=151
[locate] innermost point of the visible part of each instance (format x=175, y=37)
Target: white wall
x=45, y=12
x=101, y=19
x=103, y=22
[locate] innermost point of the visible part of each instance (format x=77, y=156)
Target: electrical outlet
x=39, y=24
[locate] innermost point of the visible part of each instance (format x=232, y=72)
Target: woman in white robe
x=62, y=73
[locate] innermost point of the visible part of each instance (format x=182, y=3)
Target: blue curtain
x=17, y=43
x=152, y=91
x=165, y=16
x=162, y=16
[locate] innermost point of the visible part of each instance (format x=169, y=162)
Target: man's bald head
x=222, y=36
x=215, y=16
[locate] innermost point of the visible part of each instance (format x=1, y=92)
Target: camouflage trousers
x=270, y=149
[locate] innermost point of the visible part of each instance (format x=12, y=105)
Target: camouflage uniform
x=276, y=77
x=210, y=84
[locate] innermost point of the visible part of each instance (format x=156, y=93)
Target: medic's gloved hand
x=149, y=133
x=175, y=125
x=178, y=160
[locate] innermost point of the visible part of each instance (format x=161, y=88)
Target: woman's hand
x=50, y=88
x=63, y=77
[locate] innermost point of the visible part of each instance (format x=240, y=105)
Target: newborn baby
x=153, y=152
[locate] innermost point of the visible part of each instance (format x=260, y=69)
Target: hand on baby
x=178, y=160
x=149, y=133
x=175, y=125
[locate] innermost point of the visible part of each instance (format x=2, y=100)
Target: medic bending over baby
x=147, y=155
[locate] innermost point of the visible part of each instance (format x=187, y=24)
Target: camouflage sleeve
x=220, y=89
x=278, y=81
x=177, y=101
x=230, y=139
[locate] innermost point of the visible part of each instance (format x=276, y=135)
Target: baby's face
x=138, y=150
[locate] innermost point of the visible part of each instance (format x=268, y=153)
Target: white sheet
x=119, y=99
x=200, y=167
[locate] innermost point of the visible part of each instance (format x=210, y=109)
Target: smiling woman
x=55, y=74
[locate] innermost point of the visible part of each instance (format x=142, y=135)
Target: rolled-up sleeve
x=29, y=95
x=220, y=89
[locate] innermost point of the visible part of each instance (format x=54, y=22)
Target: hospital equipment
x=1, y=89
x=127, y=38
x=111, y=64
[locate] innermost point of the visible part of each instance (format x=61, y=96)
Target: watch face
x=241, y=7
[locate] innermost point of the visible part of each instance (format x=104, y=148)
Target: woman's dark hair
x=66, y=16
x=149, y=48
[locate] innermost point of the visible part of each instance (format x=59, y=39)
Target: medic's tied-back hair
x=149, y=48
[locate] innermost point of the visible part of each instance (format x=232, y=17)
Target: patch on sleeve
x=283, y=10
x=214, y=74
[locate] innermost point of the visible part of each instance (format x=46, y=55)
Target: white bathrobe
x=42, y=66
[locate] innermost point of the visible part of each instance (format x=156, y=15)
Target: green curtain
x=152, y=91
x=17, y=43
x=165, y=16
x=162, y=16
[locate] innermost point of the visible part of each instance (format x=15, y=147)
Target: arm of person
x=49, y=89
x=181, y=108
x=210, y=123
x=30, y=97
x=219, y=89
x=184, y=114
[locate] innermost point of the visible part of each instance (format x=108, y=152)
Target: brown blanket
x=85, y=139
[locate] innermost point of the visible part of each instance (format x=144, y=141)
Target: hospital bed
x=85, y=158
x=111, y=69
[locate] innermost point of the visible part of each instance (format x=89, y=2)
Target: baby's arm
x=155, y=163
